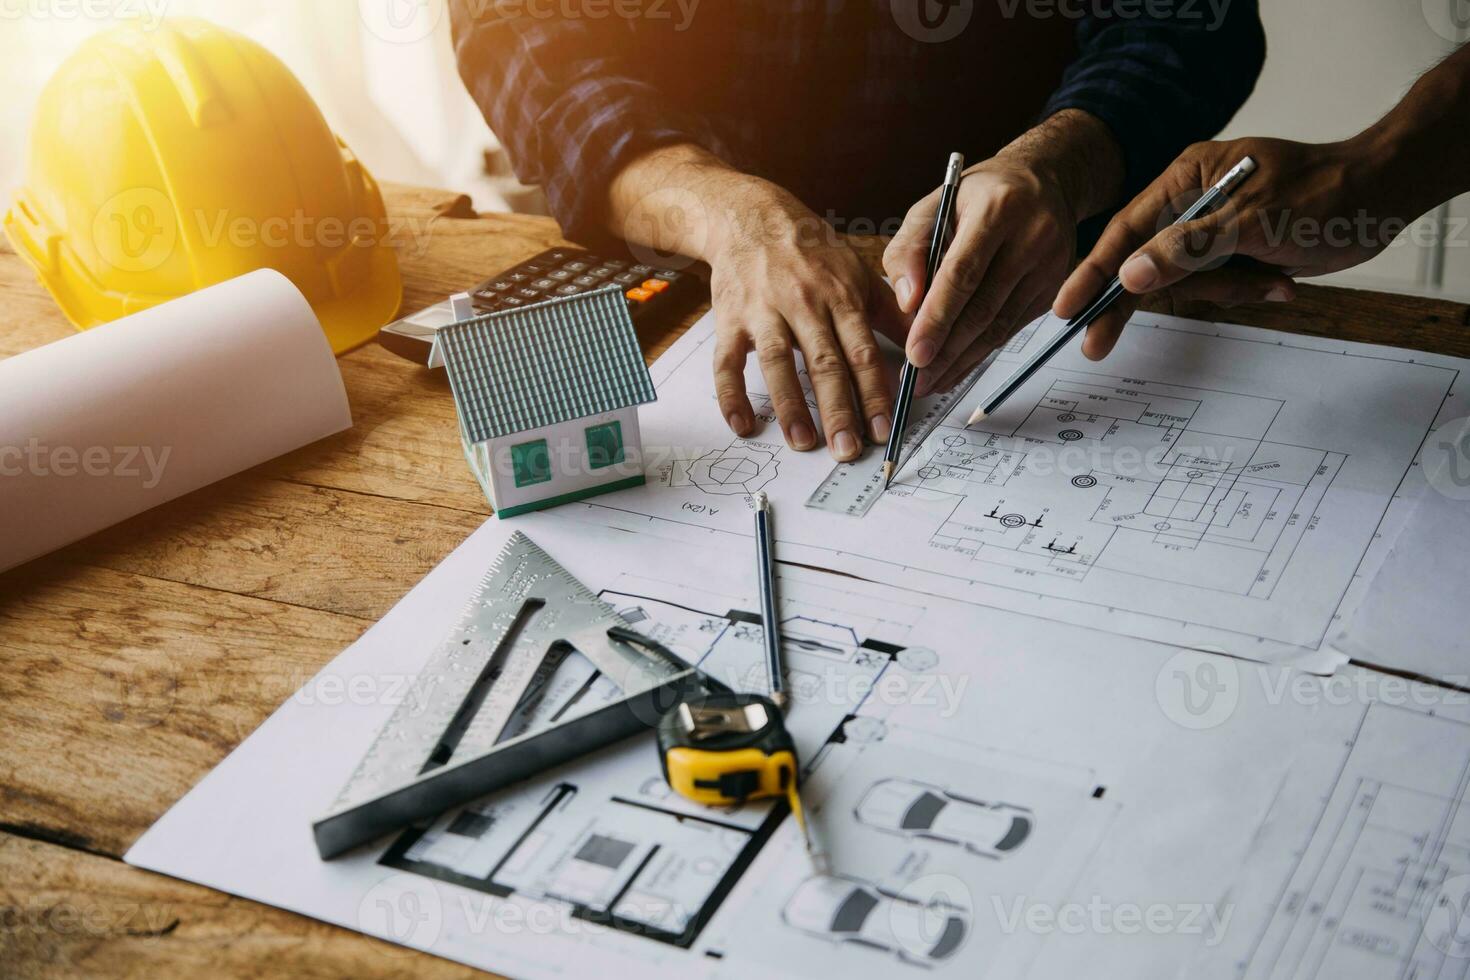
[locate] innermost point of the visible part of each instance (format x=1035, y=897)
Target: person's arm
x=570, y=113
x=1142, y=87
x=1309, y=209
x=617, y=163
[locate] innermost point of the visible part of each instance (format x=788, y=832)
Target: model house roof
x=552, y=362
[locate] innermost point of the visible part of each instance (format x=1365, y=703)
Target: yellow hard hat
x=166, y=160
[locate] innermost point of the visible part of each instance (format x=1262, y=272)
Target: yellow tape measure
x=727, y=748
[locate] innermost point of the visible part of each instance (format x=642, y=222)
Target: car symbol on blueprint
x=846, y=910
x=910, y=808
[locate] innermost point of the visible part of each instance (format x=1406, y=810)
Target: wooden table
x=133, y=662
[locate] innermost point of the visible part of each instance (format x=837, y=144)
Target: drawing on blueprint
x=1216, y=485
x=1119, y=474
x=910, y=808
x=741, y=468
x=848, y=910
x=606, y=841
x=923, y=834
x=607, y=838
x=1381, y=885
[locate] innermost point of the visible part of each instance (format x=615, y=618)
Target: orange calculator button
x=655, y=285
x=640, y=294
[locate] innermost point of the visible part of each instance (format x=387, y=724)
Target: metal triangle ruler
x=447, y=743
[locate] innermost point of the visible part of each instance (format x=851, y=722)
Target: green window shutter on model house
x=531, y=463
x=605, y=445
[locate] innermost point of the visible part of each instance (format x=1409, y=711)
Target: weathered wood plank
x=66, y=914
x=119, y=692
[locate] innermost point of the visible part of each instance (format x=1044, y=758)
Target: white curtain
x=382, y=72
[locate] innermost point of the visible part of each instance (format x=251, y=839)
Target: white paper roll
x=123, y=417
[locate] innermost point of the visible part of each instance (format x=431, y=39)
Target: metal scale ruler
x=460, y=732
x=852, y=488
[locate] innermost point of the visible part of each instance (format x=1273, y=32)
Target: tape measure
x=729, y=747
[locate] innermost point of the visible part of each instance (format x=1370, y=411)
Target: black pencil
x=1210, y=202
x=907, y=379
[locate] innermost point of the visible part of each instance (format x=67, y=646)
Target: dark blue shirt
x=853, y=105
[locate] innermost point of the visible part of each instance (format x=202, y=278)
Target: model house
x=547, y=398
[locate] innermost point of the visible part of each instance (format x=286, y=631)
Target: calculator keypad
x=562, y=272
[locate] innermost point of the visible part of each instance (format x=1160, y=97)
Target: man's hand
x=1016, y=218
x=1307, y=210
x=1300, y=213
x=783, y=281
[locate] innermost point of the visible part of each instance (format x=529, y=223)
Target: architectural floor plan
x=1215, y=486
x=955, y=779
x=1376, y=833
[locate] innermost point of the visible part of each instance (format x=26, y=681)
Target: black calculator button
x=544, y=284
x=615, y=263
x=561, y=274
x=558, y=255
x=518, y=277
x=532, y=267
x=602, y=271
x=642, y=271
x=512, y=301
x=667, y=275
x=575, y=266
x=528, y=293
x=628, y=279
x=568, y=290
x=585, y=281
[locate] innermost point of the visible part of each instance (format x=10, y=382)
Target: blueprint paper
x=1412, y=617
x=1208, y=485
x=1362, y=869
x=969, y=771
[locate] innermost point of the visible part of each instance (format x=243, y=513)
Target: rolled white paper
x=123, y=417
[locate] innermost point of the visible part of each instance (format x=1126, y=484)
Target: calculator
x=653, y=293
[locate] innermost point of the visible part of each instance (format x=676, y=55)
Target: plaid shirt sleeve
x=1163, y=81
x=570, y=116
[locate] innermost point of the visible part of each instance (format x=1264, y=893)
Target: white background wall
x=1335, y=66
x=383, y=73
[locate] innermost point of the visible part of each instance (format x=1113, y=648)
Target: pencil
x=1210, y=202
x=765, y=574
x=907, y=378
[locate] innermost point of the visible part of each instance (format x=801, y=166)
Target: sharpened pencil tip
x=980, y=415
x=887, y=474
